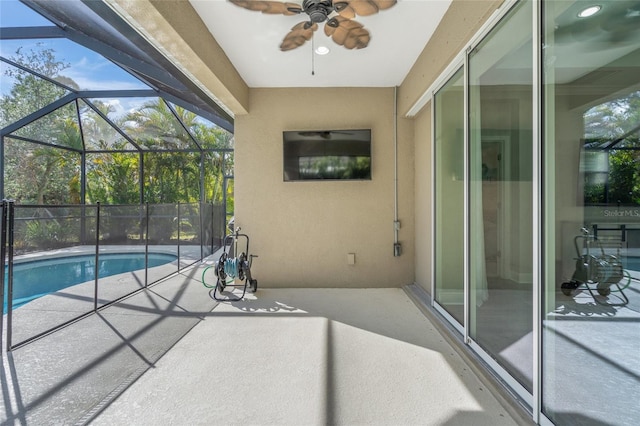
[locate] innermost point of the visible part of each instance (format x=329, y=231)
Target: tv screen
x=327, y=155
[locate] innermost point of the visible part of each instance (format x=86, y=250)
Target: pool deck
x=43, y=313
x=171, y=355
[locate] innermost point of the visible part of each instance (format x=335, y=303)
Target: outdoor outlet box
x=397, y=249
x=351, y=258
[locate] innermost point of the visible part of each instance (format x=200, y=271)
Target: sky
x=88, y=69
x=15, y=14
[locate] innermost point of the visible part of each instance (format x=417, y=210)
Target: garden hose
x=231, y=267
x=203, y=281
x=622, y=287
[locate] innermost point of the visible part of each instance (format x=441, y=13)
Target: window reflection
x=501, y=194
x=611, y=153
x=449, y=204
x=591, y=320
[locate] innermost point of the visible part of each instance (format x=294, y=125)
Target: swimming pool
x=631, y=262
x=37, y=278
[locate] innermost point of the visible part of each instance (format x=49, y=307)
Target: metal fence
x=62, y=263
x=3, y=255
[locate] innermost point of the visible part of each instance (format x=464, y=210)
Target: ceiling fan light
x=589, y=11
x=322, y=50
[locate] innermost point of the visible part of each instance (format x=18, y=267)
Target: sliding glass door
x=591, y=305
x=501, y=194
x=542, y=136
x=449, y=194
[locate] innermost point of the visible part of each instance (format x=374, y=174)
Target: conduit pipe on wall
x=397, y=248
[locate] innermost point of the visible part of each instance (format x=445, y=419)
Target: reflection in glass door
x=449, y=193
x=501, y=195
x=591, y=312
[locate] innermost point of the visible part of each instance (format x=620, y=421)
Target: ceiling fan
x=337, y=16
x=615, y=23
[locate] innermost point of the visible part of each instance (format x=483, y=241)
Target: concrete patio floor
x=171, y=355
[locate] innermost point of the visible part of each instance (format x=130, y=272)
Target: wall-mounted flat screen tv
x=327, y=155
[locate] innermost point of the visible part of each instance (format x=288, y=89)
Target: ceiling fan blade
x=344, y=10
x=269, y=7
x=348, y=33
x=357, y=39
x=385, y=4
x=298, y=35
x=351, y=8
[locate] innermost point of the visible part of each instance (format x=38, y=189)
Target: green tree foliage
x=172, y=177
x=29, y=92
x=113, y=177
x=335, y=167
x=624, y=177
x=36, y=172
x=616, y=120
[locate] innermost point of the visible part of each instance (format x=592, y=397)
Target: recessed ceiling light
x=322, y=50
x=589, y=11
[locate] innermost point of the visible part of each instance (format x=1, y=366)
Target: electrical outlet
x=351, y=258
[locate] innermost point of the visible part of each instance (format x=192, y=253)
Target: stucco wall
x=303, y=231
x=462, y=20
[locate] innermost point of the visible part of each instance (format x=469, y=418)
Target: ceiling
x=251, y=40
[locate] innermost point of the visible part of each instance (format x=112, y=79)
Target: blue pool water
x=40, y=277
x=632, y=263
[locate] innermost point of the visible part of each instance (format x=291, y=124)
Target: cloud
x=101, y=74
x=121, y=106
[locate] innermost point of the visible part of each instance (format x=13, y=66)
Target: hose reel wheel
x=219, y=270
x=602, y=271
x=233, y=271
x=244, y=266
x=608, y=270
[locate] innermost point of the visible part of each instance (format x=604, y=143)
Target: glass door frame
x=445, y=77
x=532, y=399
